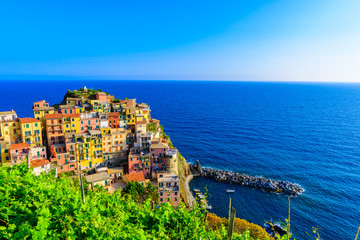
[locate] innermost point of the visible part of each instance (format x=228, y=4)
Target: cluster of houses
x=93, y=133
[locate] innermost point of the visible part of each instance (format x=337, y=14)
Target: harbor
x=265, y=184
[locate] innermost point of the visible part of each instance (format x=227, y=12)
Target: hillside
x=48, y=207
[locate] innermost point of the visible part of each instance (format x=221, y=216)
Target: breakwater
x=266, y=184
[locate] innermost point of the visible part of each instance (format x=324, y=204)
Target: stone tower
x=172, y=161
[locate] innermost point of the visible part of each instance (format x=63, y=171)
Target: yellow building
x=130, y=115
x=10, y=132
x=114, y=145
x=4, y=151
x=41, y=108
x=31, y=131
x=89, y=149
x=71, y=123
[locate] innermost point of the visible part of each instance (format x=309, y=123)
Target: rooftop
x=115, y=170
x=136, y=177
x=19, y=146
x=39, y=162
x=28, y=120
x=159, y=145
x=73, y=115
x=97, y=177
x=53, y=116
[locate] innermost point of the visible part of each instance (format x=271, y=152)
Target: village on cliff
x=113, y=141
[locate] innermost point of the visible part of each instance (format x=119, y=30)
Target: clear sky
x=293, y=40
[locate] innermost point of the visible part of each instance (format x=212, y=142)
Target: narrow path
x=187, y=188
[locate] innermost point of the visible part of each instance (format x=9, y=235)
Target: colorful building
x=41, y=108
x=40, y=165
x=31, y=131
x=89, y=149
x=4, y=151
x=10, y=131
x=71, y=123
x=114, y=119
x=8, y=116
x=168, y=187
x=89, y=121
x=19, y=152
x=54, y=129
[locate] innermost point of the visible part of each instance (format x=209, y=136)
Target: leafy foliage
x=139, y=193
x=46, y=207
x=152, y=127
x=240, y=226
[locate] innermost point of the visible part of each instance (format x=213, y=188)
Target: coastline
x=188, y=190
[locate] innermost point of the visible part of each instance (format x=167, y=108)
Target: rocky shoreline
x=266, y=184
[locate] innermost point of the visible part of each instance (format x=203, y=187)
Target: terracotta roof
x=141, y=122
x=28, y=120
x=39, y=101
x=19, y=146
x=136, y=177
x=115, y=114
x=73, y=115
x=159, y=145
x=54, y=115
x=39, y=162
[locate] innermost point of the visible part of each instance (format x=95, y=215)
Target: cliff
x=183, y=172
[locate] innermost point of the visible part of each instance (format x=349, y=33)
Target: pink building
x=101, y=96
x=61, y=157
x=134, y=161
x=89, y=121
x=158, y=158
x=19, y=152
x=67, y=109
x=39, y=105
x=38, y=153
x=168, y=187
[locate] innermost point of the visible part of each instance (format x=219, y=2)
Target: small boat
x=201, y=196
x=196, y=190
x=209, y=207
x=230, y=190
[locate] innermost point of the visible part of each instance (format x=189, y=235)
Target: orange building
x=54, y=129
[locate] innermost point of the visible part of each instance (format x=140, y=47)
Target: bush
x=240, y=226
x=46, y=207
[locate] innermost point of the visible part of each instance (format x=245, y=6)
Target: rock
x=265, y=184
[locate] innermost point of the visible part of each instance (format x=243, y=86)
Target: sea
x=305, y=133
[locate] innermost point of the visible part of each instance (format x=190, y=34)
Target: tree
x=139, y=193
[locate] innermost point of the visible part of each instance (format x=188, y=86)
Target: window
x=73, y=125
x=36, y=124
x=82, y=122
x=176, y=193
x=72, y=119
x=161, y=193
x=6, y=150
x=59, y=157
x=27, y=125
x=65, y=111
x=71, y=111
x=161, y=199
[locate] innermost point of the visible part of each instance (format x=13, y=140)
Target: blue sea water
x=300, y=132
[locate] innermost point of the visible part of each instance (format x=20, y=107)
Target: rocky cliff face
x=183, y=172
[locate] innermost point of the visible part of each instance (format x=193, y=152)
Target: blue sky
x=250, y=40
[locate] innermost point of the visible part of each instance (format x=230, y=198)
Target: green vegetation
x=46, y=207
x=152, y=127
x=240, y=226
x=139, y=193
x=116, y=100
